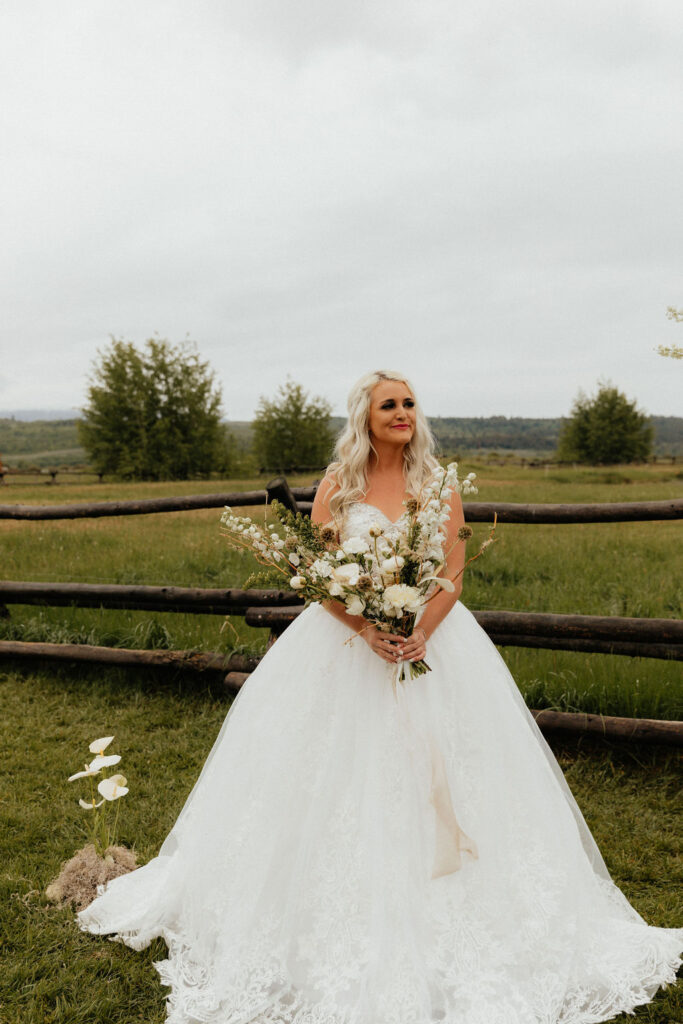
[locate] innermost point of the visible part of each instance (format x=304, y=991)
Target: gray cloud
x=485, y=196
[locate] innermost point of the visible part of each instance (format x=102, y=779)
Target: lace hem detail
x=264, y=992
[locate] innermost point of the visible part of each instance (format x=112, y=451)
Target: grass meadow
x=165, y=724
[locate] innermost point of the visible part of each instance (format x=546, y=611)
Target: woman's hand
x=384, y=644
x=392, y=647
x=415, y=645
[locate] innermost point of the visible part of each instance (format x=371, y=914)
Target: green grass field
x=165, y=724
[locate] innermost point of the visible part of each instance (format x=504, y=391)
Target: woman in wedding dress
x=358, y=853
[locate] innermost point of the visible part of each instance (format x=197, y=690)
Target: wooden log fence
x=43, y=471
x=653, y=638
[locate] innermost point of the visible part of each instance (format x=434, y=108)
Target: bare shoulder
x=320, y=513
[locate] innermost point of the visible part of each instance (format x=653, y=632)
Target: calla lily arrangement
x=110, y=788
x=387, y=578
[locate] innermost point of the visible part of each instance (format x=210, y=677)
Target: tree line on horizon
x=155, y=414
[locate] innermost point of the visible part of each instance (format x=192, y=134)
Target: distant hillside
x=513, y=433
x=55, y=442
x=38, y=414
x=40, y=442
x=502, y=433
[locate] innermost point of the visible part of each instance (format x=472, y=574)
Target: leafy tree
x=153, y=414
x=292, y=432
x=605, y=429
x=672, y=351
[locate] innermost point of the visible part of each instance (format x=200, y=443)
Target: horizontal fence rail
x=236, y=668
x=197, y=661
x=636, y=638
x=144, y=507
x=276, y=609
x=160, y=599
x=598, y=512
x=475, y=511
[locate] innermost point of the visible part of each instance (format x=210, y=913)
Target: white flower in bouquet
x=321, y=568
x=355, y=546
x=355, y=605
x=347, y=575
x=392, y=565
x=400, y=597
x=297, y=582
x=376, y=529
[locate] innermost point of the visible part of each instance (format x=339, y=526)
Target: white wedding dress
x=355, y=853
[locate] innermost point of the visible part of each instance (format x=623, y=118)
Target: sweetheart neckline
x=370, y=505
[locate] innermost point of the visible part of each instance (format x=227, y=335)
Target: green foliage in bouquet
x=308, y=533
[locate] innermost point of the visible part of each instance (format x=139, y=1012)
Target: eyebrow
x=408, y=398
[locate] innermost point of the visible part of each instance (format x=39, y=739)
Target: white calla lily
x=442, y=581
x=113, y=787
x=82, y=775
x=90, y=805
x=355, y=605
x=104, y=761
x=99, y=746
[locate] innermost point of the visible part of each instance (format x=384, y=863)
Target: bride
x=355, y=855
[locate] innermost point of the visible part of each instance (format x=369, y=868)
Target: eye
x=409, y=402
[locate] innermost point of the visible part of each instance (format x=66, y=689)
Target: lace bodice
x=359, y=516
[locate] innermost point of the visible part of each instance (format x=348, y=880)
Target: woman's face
x=392, y=412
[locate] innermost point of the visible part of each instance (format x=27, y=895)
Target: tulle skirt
x=360, y=852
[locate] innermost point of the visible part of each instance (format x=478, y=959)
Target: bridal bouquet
x=386, y=580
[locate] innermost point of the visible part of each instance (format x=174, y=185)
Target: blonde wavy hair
x=353, y=446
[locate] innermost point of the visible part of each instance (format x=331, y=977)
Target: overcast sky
x=486, y=196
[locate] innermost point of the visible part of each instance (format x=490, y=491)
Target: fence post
x=278, y=490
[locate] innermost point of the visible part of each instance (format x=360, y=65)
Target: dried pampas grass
x=77, y=882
